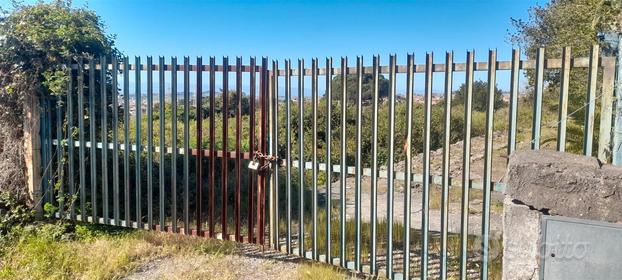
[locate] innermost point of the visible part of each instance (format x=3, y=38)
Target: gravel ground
x=251, y=265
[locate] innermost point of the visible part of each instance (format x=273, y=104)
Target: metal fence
x=116, y=178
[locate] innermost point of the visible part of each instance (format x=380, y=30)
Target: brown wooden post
x=32, y=150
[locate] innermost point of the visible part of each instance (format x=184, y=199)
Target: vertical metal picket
x=224, y=165
x=137, y=161
x=449, y=61
x=391, y=175
x=252, y=148
x=60, y=153
x=288, y=150
x=238, y=145
x=314, y=116
x=374, y=167
x=563, y=100
x=80, y=112
x=513, y=106
x=93, y=140
x=174, y=143
x=275, y=149
x=115, y=141
x=150, y=142
x=329, y=165
x=126, y=140
x=199, y=149
x=162, y=122
x=490, y=107
x=212, y=144
x=187, y=152
x=342, y=168
x=537, y=103
x=70, y=144
x=301, y=159
x=358, y=164
x=104, y=136
x=466, y=166
x=588, y=126
x=425, y=208
x=410, y=73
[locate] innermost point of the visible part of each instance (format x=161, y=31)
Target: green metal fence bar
x=137, y=160
x=60, y=153
x=425, y=208
x=81, y=161
x=314, y=116
x=591, y=102
x=288, y=169
x=407, y=164
x=187, y=145
x=492, y=75
x=513, y=106
x=358, y=164
x=126, y=139
x=449, y=59
x=48, y=161
x=70, y=143
x=150, y=141
x=466, y=166
x=104, y=136
x=329, y=171
x=563, y=100
x=93, y=139
x=174, y=144
x=275, y=150
x=44, y=176
x=44, y=142
x=162, y=123
x=115, y=141
x=301, y=172
x=389, y=257
x=374, y=166
x=342, y=154
x=537, y=102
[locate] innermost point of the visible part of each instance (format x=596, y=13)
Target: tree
x=35, y=43
x=561, y=23
x=480, y=96
x=352, y=87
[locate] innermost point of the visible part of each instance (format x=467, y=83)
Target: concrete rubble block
x=564, y=184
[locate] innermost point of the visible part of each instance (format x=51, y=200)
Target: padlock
x=253, y=165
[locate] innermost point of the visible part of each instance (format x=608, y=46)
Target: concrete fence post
x=32, y=150
x=617, y=133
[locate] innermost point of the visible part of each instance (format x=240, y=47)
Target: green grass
x=87, y=251
x=59, y=251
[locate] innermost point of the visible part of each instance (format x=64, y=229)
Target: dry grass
x=49, y=252
x=320, y=272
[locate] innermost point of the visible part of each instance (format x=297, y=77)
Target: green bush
x=13, y=212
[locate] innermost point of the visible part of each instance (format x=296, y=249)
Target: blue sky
x=305, y=29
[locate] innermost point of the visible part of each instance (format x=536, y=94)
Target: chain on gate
x=262, y=162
